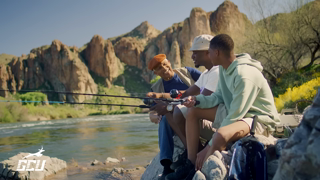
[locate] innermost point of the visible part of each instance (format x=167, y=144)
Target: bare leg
x=192, y=128
x=223, y=136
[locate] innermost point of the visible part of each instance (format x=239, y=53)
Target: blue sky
x=26, y=24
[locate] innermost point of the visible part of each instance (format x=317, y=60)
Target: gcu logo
x=28, y=162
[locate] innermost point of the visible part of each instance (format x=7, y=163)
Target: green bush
x=33, y=96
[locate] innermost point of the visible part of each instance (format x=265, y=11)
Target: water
x=84, y=139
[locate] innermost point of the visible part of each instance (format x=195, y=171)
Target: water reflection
x=84, y=139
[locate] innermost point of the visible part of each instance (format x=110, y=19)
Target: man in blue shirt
x=180, y=79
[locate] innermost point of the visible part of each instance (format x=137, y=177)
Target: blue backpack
x=249, y=161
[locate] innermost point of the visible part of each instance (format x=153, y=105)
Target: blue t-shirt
x=177, y=83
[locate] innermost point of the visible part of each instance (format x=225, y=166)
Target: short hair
x=222, y=42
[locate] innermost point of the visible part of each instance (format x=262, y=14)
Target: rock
x=155, y=168
x=129, y=50
x=174, y=55
x=228, y=19
x=33, y=75
x=17, y=68
x=300, y=157
x=8, y=168
x=101, y=58
x=65, y=71
x=112, y=160
x=118, y=170
x=4, y=77
x=199, y=23
x=199, y=176
x=145, y=31
x=95, y=162
x=163, y=45
x=215, y=167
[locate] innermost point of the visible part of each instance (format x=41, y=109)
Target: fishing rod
x=148, y=101
x=66, y=102
x=87, y=94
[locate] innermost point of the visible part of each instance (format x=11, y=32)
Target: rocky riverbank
x=50, y=168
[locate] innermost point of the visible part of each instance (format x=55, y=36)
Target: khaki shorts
x=206, y=128
x=222, y=113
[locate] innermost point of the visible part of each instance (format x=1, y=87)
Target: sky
x=27, y=24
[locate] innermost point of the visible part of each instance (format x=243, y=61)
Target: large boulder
x=8, y=168
x=300, y=157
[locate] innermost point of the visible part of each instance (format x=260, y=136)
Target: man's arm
x=210, y=101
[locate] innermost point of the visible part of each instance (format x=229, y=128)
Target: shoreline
x=33, y=118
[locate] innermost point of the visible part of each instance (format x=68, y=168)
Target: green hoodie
x=245, y=93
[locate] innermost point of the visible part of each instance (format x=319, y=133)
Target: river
x=84, y=139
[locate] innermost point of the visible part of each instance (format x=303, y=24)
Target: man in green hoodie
x=244, y=92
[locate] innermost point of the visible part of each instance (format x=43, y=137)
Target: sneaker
x=182, y=172
x=182, y=158
x=165, y=172
x=191, y=174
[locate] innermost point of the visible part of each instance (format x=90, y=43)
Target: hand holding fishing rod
x=162, y=107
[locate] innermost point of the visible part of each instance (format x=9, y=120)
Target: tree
x=285, y=41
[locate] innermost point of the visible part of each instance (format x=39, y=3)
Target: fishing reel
x=175, y=94
x=148, y=101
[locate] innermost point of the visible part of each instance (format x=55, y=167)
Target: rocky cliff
x=64, y=68
x=56, y=67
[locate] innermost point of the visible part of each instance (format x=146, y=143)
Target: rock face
x=56, y=65
x=17, y=69
x=4, y=77
x=33, y=74
x=227, y=19
x=8, y=168
x=300, y=158
x=101, y=58
x=65, y=71
x=128, y=50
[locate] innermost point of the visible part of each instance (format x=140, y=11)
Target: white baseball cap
x=201, y=42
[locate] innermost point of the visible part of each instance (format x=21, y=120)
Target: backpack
x=249, y=161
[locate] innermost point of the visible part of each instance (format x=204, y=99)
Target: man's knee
x=193, y=112
x=177, y=115
x=232, y=132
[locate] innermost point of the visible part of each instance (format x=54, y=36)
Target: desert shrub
x=12, y=112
